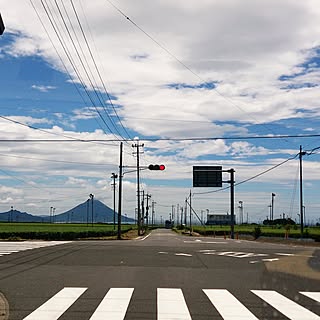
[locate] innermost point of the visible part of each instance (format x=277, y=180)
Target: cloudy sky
x=199, y=82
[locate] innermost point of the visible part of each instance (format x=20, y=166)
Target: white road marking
x=286, y=306
x=312, y=295
x=285, y=254
x=163, y=252
x=208, y=250
x=17, y=246
x=183, y=254
x=204, y=242
x=114, y=305
x=228, y=306
x=270, y=260
x=57, y=305
x=172, y=305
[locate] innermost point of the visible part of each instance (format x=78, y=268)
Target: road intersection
x=164, y=276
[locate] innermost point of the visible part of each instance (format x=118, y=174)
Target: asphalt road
x=163, y=276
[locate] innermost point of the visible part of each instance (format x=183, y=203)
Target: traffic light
x=156, y=167
x=1, y=25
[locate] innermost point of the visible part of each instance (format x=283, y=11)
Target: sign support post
x=211, y=176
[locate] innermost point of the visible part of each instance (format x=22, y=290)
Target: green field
x=268, y=231
x=57, y=231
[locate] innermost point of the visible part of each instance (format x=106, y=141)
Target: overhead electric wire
x=166, y=139
x=55, y=161
x=97, y=69
x=252, y=178
x=68, y=55
x=84, y=69
x=183, y=64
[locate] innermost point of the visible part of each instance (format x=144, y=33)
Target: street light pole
x=91, y=197
x=272, y=205
x=120, y=192
x=114, y=177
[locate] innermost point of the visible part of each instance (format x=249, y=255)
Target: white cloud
x=43, y=88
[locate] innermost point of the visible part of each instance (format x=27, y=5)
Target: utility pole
x=301, y=153
x=114, y=177
x=120, y=192
x=142, y=211
x=153, y=212
x=138, y=146
x=147, y=209
x=190, y=214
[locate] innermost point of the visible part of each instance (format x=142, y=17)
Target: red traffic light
x=156, y=167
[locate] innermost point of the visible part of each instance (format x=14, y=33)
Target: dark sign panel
x=1, y=25
x=207, y=176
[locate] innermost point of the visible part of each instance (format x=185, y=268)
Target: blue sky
x=194, y=76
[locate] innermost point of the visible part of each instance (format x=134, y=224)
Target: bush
x=257, y=232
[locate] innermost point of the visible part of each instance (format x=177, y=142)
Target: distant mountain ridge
x=82, y=213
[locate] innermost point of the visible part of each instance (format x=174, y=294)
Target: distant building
x=219, y=219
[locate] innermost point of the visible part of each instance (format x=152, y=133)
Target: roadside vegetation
x=256, y=231
x=59, y=231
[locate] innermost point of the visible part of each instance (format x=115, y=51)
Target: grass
x=270, y=231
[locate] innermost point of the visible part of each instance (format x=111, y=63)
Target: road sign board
x=207, y=176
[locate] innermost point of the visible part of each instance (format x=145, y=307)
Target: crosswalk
x=9, y=247
x=172, y=305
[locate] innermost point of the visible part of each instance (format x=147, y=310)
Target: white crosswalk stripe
x=171, y=304
x=286, y=306
x=57, y=305
x=16, y=246
x=228, y=306
x=114, y=305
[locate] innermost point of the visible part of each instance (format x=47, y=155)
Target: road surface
x=163, y=276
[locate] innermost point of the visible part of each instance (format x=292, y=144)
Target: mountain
x=84, y=213
x=17, y=216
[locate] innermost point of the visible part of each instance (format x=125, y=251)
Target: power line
x=252, y=178
x=183, y=64
x=270, y=137
x=55, y=161
x=99, y=74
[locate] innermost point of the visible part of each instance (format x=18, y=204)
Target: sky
x=205, y=82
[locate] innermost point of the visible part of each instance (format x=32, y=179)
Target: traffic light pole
x=231, y=171
x=120, y=192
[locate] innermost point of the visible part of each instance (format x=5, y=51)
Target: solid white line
x=171, y=305
x=286, y=306
x=312, y=295
x=229, y=307
x=57, y=305
x=114, y=305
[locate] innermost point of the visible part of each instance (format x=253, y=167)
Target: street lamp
x=272, y=205
x=114, y=177
x=91, y=197
x=241, y=211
